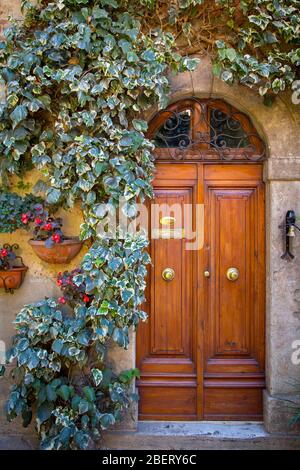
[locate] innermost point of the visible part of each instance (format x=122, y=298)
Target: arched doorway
x=201, y=353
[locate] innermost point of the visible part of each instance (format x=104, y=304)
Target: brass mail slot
x=177, y=233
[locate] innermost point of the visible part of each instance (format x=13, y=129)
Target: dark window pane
x=226, y=131
x=175, y=132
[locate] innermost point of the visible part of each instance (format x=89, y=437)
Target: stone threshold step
x=177, y=435
x=157, y=435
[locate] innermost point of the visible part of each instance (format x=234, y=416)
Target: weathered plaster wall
x=279, y=126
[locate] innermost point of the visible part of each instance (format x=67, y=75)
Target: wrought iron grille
x=205, y=130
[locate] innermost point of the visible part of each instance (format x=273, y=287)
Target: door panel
x=234, y=309
x=166, y=344
x=201, y=352
x=170, y=331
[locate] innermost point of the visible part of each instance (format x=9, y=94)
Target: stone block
x=279, y=413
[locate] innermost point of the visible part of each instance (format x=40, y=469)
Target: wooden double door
x=201, y=351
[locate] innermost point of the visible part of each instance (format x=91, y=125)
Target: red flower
x=38, y=220
x=47, y=227
x=56, y=238
x=25, y=218
x=86, y=298
x=4, y=252
x=61, y=300
x=59, y=282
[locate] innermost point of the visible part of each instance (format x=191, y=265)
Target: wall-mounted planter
x=12, y=278
x=60, y=253
x=12, y=270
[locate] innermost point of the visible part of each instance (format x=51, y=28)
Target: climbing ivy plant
x=254, y=42
x=61, y=355
x=78, y=74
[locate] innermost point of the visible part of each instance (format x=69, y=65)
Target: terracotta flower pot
x=60, y=253
x=12, y=278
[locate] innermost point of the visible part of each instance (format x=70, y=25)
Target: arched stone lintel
x=277, y=125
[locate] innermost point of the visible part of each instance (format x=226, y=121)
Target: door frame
x=201, y=263
x=198, y=143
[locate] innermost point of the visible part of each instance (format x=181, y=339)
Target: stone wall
x=279, y=125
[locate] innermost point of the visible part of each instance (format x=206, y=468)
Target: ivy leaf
x=231, y=54
x=140, y=125
x=73, y=351
x=75, y=402
x=130, y=210
x=217, y=69
x=19, y=114
x=97, y=376
x=46, y=100
x=51, y=393
x=126, y=46
x=64, y=392
x=65, y=435
x=100, y=210
x=83, y=406
x=82, y=438
x=190, y=64
x=33, y=360
x=227, y=76
x=119, y=337
x=220, y=44
x=111, y=182
x=53, y=195
x=84, y=338
x=269, y=38
x=149, y=55
x=106, y=420
x=97, y=89
x=85, y=41
x=132, y=57
x=127, y=294
x=111, y=3
x=44, y=411
x=99, y=13
x=103, y=310
x=115, y=263
x=89, y=393
x=127, y=375
x=48, y=443
x=23, y=344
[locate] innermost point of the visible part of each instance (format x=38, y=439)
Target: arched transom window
x=206, y=129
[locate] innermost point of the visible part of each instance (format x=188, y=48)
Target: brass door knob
x=206, y=273
x=168, y=274
x=232, y=274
